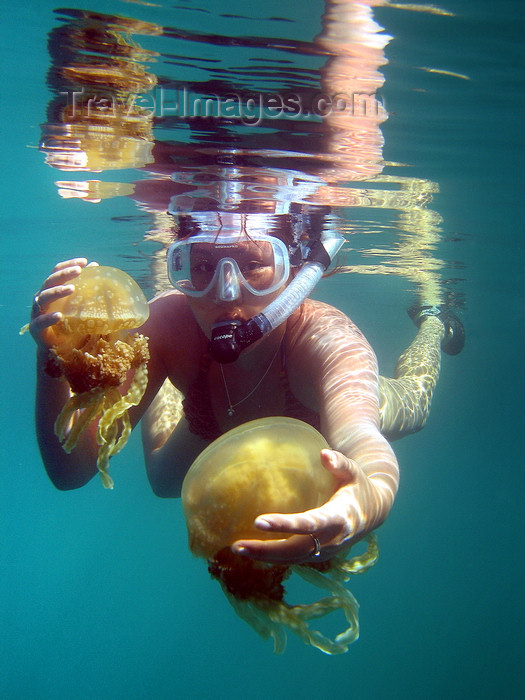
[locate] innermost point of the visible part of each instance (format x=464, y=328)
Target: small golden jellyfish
x=95, y=352
x=266, y=466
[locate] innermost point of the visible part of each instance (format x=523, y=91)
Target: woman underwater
x=226, y=266
x=314, y=365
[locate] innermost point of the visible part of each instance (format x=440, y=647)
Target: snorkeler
x=239, y=338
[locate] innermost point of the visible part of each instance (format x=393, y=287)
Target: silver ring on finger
x=317, y=548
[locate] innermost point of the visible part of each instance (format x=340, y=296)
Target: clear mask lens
x=224, y=264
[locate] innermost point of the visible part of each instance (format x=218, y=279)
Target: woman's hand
x=318, y=534
x=57, y=286
x=66, y=470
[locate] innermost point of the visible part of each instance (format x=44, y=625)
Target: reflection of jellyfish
x=99, y=118
x=268, y=465
x=95, y=352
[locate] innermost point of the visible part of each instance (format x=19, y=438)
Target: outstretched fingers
x=323, y=522
x=297, y=549
x=314, y=535
x=62, y=274
x=59, y=284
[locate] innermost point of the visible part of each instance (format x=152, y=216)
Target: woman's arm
x=169, y=446
x=76, y=469
x=66, y=471
x=349, y=397
x=331, y=352
x=69, y=471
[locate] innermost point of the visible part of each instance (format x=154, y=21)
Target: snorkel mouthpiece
x=229, y=338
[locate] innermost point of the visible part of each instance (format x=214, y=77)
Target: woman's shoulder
x=322, y=315
x=175, y=340
x=170, y=297
x=171, y=323
x=318, y=327
x=321, y=337
x=171, y=306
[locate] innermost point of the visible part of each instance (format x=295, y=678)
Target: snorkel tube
x=230, y=338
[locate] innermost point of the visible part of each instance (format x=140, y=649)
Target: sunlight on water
x=240, y=122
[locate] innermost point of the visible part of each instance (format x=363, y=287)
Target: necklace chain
x=232, y=407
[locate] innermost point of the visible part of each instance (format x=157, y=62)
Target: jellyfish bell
x=95, y=351
x=105, y=300
x=267, y=465
x=96, y=148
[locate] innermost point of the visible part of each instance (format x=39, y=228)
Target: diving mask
x=224, y=263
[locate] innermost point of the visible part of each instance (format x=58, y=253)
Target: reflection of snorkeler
x=313, y=364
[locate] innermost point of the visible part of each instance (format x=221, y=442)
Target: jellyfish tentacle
x=74, y=403
x=69, y=427
x=340, y=570
x=107, y=424
x=118, y=405
x=320, y=608
x=115, y=409
x=360, y=563
x=106, y=438
x=287, y=616
x=341, y=598
x=89, y=413
x=272, y=617
x=125, y=432
x=259, y=620
x=296, y=618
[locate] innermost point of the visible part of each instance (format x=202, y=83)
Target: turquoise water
x=100, y=598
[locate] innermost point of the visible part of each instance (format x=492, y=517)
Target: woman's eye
x=203, y=268
x=253, y=266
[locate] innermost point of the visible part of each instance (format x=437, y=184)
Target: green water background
x=100, y=599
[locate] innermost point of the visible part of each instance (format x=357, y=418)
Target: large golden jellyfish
x=95, y=352
x=268, y=465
